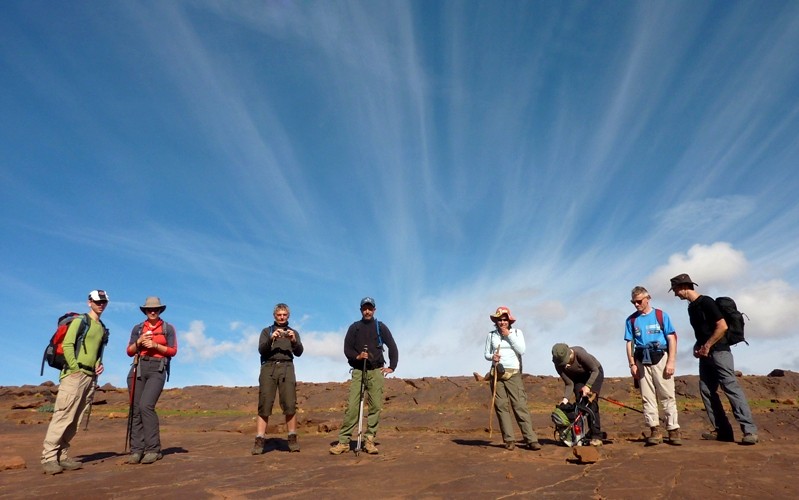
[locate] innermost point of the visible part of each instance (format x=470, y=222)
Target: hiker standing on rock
x=372, y=335
x=152, y=344
x=278, y=345
x=504, y=347
x=716, y=365
x=582, y=374
x=83, y=364
x=652, y=354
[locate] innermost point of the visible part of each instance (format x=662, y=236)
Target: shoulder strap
x=631, y=320
x=379, y=338
x=104, y=341
x=659, y=316
x=166, y=326
x=85, y=324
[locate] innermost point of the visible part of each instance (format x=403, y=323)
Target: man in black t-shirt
x=716, y=364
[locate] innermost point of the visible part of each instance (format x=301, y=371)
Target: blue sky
x=443, y=157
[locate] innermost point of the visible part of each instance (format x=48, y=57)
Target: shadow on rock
x=473, y=442
x=174, y=450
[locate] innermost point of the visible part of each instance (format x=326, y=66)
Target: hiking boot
x=595, y=442
x=749, y=439
x=52, y=467
x=151, y=457
x=135, y=457
x=69, y=464
x=510, y=445
x=340, y=448
x=369, y=446
x=258, y=446
x=655, y=437
x=674, y=437
x=294, y=444
x=715, y=435
x=533, y=445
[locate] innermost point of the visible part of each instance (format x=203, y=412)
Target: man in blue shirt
x=652, y=354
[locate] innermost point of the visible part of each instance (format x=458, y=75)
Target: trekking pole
x=89, y=404
x=619, y=403
x=360, y=410
x=493, y=397
x=132, y=396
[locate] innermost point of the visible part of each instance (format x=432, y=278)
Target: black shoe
x=718, y=436
x=533, y=445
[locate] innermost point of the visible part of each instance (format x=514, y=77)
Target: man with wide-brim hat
x=152, y=303
x=153, y=343
x=682, y=279
x=716, y=364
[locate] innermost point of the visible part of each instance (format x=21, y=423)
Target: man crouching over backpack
x=77, y=379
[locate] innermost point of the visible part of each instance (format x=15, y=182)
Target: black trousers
x=145, y=433
x=596, y=388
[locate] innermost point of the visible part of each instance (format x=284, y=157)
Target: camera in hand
x=282, y=333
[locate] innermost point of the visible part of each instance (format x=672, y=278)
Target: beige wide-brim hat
x=152, y=303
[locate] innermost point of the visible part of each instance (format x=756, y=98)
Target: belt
x=277, y=361
x=150, y=358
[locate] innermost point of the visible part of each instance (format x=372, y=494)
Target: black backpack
x=734, y=319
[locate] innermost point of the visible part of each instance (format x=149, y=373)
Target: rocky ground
x=434, y=443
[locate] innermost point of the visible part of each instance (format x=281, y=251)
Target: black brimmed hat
x=681, y=279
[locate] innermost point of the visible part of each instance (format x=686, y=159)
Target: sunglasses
x=638, y=302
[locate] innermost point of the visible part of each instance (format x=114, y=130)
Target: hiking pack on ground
x=734, y=319
x=573, y=423
x=54, y=352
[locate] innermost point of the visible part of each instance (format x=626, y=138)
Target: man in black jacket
x=363, y=347
x=278, y=345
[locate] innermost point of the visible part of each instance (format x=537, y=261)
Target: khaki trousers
x=655, y=387
x=74, y=392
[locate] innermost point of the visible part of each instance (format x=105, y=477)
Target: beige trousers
x=655, y=387
x=73, y=396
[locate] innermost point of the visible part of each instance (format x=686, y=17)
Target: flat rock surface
x=433, y=440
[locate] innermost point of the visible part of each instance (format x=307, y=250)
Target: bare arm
x=718, y=334
x=669, y=371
